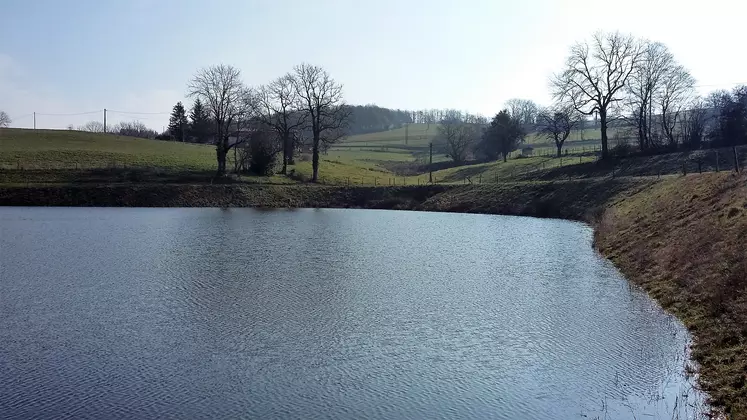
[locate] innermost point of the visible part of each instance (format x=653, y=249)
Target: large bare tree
x=557, y=123
x=459, y=135
x=676, y=94
x=275, y=106
x=643, y=87
x=595, y=74
x=224, y=96
x=320, y=97
x=4, y=119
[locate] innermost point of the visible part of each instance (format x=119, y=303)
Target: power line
x=68, y=115
x=22, y=117
x=138, y=113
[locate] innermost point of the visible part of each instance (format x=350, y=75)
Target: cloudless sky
x=138, y=55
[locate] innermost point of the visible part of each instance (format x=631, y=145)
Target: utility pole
x=34, y=120
x=236, y=145
x=104, y=120
x=430, y=166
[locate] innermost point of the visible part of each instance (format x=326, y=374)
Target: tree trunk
x=315, y=159
x=603, y=128
x=641, y=130
x=505, y=157
x=560, y=150
x=285, y=156
x=221, y=157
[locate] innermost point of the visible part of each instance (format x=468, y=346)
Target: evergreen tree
x=178, y=123
x=502, y=136
x=200, y=126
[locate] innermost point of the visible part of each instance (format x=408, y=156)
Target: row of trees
x=618, y=81
x=372, y=118
x=639, y=84
x=197, y=127
x=305, y=103
x=728, y=125
x=125, y=128
x=463, y=135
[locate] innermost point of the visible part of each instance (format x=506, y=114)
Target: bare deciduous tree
x=459, y=135
x=223, y=95
x=595, y=74
x=132, y=129
x=275, y=106
x=557, y=123
x=5, y=120
x=676, y=93
x=643, y=86
x=524, y=111
x=658, y=89
x=92, y=127
x=320, y=97
x=693, y=123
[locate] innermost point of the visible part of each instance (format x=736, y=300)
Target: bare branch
x=224, y=96
x=557, y=123
x=327, y=115
x=594, y=74
x=5, y=120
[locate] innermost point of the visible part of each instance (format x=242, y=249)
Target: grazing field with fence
x=49, y=156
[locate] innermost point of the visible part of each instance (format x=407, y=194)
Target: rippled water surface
x=199, y=313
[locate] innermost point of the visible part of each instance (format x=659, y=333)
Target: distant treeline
x=372, y=118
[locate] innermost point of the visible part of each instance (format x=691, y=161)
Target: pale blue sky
x=138, y=55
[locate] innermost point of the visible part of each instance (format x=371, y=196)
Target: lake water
x=203, y=313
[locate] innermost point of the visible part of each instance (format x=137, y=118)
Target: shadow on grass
x=122, y=175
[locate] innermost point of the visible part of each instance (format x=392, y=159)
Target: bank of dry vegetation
x=684, y=240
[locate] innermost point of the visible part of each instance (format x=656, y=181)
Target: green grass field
x=55, y=155
x=51, y=149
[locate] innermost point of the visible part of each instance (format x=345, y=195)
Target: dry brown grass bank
x=685, y=241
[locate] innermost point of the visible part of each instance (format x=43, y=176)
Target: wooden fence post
x=736, y=159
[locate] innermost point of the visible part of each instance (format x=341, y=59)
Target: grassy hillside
x=46, y=149
x=73, y=156
x=53, y=156
x=418, y=135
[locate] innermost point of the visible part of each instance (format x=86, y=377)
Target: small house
x=527, y=151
